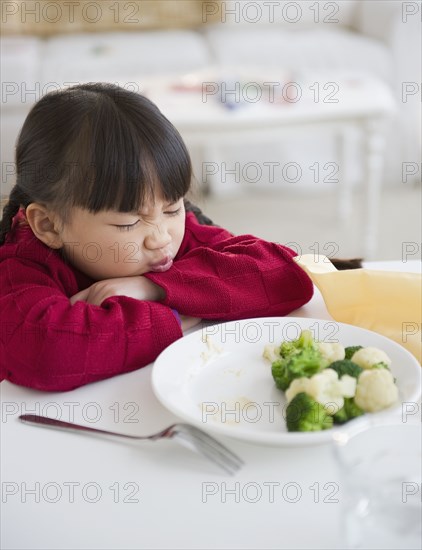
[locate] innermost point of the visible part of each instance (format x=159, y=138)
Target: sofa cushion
x=20, y=69
x=120, y=56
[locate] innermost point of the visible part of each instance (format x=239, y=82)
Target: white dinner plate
x=218, y=379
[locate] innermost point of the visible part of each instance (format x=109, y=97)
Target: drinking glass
x=380, y=473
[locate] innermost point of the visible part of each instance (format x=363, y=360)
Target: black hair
x=97, y=146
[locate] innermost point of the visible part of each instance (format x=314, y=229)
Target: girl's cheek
x=129, y=252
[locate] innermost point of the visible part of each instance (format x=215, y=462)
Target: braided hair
x=17, y=198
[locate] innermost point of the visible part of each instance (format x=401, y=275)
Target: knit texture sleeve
x=219, y=276
x=49, y=344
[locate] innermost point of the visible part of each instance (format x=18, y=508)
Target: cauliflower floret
x=375, y=390
x=368, y=357
x=298, y=385
x=324, y=387
x=348, y=385
x=331, y=352
x=271, y=352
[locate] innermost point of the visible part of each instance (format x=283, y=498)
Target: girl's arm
x=49, y=344
x=218, y=276
x=139, y=288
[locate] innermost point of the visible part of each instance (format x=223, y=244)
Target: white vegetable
x=324, y=387
x=348, y=385
x=376, y=390
x=331, y=352
x=271, y=352
x=368, y=357
x=298, y=385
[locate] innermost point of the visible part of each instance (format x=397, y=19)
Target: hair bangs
x=105, y=148
x=126, y=157
x=170, y=165
x=160, y=162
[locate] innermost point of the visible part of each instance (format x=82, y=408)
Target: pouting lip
x=164, y=265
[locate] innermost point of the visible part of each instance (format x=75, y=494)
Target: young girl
x=101, y=267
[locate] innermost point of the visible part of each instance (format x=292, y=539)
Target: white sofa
x=372, y=36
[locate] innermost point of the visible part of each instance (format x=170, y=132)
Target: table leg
x=374, y=161
x=345, y=183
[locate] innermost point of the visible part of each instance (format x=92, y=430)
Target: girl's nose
x=158, y=237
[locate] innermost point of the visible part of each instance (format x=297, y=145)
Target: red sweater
x=49, y=344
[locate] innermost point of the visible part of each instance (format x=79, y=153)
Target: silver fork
x=190, y=436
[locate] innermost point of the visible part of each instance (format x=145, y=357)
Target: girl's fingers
x=80, y=296
x=137, y=287
x=93, y=295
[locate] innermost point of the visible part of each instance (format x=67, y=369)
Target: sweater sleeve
x=219, y=276
x=49, y=344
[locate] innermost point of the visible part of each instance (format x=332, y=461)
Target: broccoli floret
x=304, y=414
x=301, y=364
x=306, y=340
x=324, y=387
x=351, y=350
x=349, y=411
x=346, y=367
x=290, y=347
x=299, y=358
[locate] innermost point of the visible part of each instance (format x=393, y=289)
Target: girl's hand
x=189, y=322
x=137, y=287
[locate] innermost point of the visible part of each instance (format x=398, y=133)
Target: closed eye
x=127, y=227
x=173, y=212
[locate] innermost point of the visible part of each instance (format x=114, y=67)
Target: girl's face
x=111, y=244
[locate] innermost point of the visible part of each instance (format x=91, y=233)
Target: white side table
x=332, y=103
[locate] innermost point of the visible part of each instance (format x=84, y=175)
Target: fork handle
x=60, y=425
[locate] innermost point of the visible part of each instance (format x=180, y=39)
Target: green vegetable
x=380, y=365
x=351, y=350
x=302, y=364
x=304, y=414
x=305, y=341
x=349, y=411
x=299, y=358
x=345, y=366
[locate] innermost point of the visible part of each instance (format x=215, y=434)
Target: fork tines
x=209, y=447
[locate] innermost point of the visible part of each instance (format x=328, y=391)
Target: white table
x=332, y=103
x=69, y=491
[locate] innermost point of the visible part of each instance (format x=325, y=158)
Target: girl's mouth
x=164, y=265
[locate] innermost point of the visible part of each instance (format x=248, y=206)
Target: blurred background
x=303, y=119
